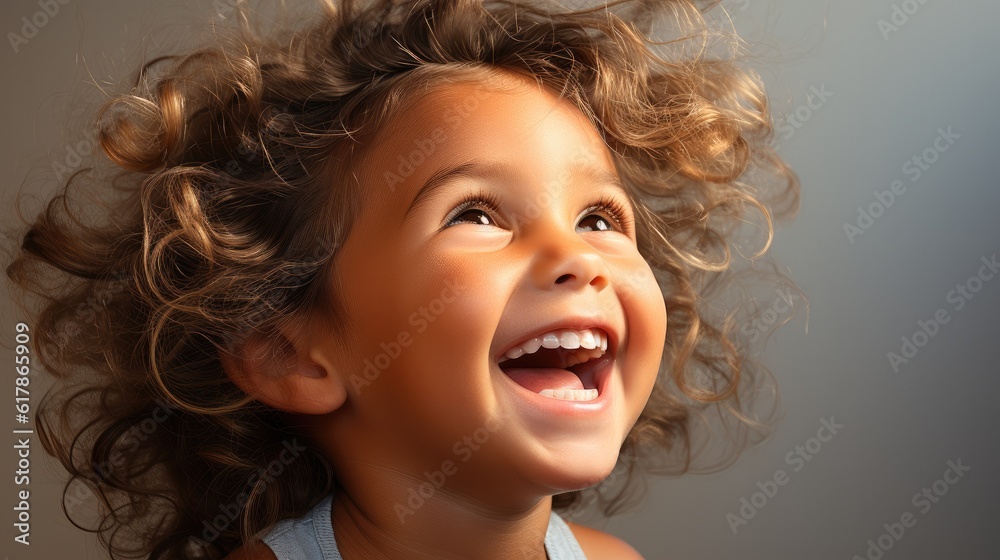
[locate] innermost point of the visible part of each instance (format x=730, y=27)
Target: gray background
x=900, y=428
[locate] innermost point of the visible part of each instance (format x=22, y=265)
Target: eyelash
x=485, y=200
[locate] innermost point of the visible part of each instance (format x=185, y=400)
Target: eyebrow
x=476, y=169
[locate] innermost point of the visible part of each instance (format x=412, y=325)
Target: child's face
x=435, y=296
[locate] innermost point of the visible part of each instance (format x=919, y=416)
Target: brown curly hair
x=228, y=164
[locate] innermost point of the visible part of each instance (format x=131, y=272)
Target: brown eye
x=472, y=216
x=478, y=208
x=607, y=214
x=596, y=222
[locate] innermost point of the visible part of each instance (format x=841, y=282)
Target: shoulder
x=255, y=551
x=598, y=545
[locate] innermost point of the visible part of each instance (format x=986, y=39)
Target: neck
x=368, y=526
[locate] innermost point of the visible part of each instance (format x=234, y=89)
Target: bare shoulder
x=598, y=545
x=255, y=551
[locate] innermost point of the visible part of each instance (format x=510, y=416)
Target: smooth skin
x=435, y=292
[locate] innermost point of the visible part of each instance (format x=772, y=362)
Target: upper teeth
x=590, y=339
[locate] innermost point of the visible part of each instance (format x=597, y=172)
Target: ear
x=286, y=370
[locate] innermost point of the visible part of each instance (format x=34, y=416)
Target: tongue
x=539, y=379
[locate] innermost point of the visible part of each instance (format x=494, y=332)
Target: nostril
x=563, y=278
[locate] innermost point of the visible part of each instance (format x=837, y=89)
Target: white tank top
x=310, y=537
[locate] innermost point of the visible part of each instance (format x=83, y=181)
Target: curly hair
x=225, y=198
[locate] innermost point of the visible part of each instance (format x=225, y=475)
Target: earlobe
x=282, y=371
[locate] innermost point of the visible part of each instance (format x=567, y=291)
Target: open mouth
x=560, y=364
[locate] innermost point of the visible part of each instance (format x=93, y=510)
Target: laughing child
x=402, y=281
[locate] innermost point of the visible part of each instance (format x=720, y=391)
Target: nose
x=568, y=262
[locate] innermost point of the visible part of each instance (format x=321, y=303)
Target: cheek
x=423, y=319
x=439, y=388
x=433, y=327
x=640, y=297
x=646, y=314
x=456, y=312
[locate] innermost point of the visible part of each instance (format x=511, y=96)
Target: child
x=401, y=283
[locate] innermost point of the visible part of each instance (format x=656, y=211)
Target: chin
x=577, y=470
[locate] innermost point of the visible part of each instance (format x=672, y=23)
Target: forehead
x=509, y=120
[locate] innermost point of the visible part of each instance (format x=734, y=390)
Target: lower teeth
x=570, y=394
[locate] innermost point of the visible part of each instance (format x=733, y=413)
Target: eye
x=481, y=208
x=600, y=223
x=478, y=209
x=472, y=216
x=606, y=215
